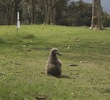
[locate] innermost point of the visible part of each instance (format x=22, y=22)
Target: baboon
x=53, y=65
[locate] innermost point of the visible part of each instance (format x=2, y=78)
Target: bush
x=106, y=21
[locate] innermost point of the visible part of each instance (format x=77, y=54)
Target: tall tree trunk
x=54, y=16
x=33, y=11
x=50, y=11
x=46, y=11
x=29, y=15
x=12, y=12
x=96, y=22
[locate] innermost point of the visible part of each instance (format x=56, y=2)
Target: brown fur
x=53, y=66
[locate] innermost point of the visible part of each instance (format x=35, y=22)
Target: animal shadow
x=65, y=76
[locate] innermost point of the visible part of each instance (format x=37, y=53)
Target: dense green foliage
x=106, y=20
x=34, y=12
x=23, y=54
x=79, y=14
x=64, y=12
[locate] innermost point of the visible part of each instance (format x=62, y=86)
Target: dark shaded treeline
x=59, y=12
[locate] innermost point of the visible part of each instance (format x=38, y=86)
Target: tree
x=33, y=11
x=79, y=13
x=50, y=11
x=8, y=11
x=60, y=12
x=106, y=20
x=96, y=21
x=5, y=11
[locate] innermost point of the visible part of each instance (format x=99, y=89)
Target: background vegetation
x=23, y=54
x=58, y=12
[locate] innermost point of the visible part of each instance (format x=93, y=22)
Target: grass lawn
x=23, y=54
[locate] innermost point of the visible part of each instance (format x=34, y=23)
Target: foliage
x=24, y=52
x=65, y=12
x=106, y=20
x=79, y=13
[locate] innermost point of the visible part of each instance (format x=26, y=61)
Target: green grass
x=23, y=55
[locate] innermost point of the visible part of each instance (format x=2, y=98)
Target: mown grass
x=23, y=54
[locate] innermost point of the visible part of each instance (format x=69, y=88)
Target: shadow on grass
x=62, y=76
x=65, y=76
x=1, y=40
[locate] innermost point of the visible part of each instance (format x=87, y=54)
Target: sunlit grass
x=23, y=54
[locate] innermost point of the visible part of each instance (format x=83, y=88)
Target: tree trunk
x=33, y=11
x=50, y=11
x=46, y=11
x=54, y=16
x=96, y=22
